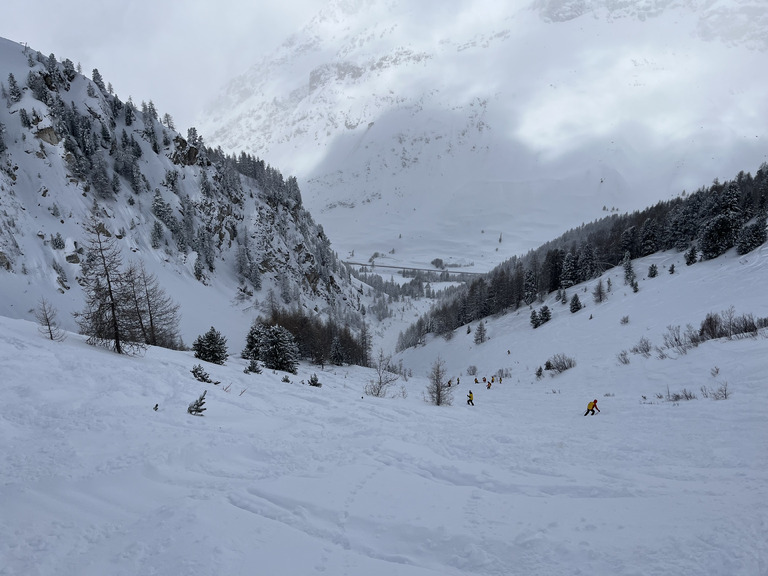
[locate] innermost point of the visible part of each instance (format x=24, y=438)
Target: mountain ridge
x=402, y=114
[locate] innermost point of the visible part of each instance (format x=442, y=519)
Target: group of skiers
x=471, y=397
x=591, y=407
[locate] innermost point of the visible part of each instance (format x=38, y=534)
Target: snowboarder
x=488, y=386
x=469, y=398
x=591, y=407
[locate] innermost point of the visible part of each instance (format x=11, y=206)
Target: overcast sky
x=175, y=53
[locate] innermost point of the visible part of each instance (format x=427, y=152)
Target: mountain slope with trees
x=704, y=224
x=193, y=218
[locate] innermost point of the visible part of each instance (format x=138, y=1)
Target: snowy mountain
x=228, y=231
x=448, y=126
x=279, y=477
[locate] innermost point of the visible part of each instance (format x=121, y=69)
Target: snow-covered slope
x=282, y=478
x=446, y=125
x=220, y=236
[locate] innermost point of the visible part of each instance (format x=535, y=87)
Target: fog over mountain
x=500, y=122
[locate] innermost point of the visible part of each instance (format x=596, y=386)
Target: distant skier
x=591, y=407
x=488, y=386
x=469, y=399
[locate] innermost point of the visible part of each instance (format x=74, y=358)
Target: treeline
x=707, y=223
x=322, y=342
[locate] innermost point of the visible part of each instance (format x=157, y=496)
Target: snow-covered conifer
x=211, y=347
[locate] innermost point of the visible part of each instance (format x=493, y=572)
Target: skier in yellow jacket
x=591, y=407
x=469, y=399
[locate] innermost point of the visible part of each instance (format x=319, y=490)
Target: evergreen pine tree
x=480, y=333
x=14, y=92
x=98, y=80
x=211, y=347
x=280, y=351
x=599, y=292
x=648, y=237
x=691, y=256
x=629, y=273
x=653, y=271
x=575, y=303
x=751, y=236
x=545, y=314
x=568, y=274
x=255, y=341
x=535, y=322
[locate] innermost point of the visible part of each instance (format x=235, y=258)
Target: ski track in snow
x=290, y=479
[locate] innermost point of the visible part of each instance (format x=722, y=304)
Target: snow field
x=291, y=479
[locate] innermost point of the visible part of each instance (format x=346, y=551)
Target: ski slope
x=283, y=478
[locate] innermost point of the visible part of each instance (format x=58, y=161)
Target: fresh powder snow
x=279, y=477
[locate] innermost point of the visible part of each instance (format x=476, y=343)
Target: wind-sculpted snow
x=286, y=478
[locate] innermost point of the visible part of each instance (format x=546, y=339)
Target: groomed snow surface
x=288, y=479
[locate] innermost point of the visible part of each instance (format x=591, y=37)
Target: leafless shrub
x=386, y=376
x=643, y=347
x=624, y=320
x=715, y=371
x=722, y=393
x=692, y=335
x=472, y=370
x=684, y=394
x=745, y=325
x=675, y=341
x=661, y=353
x=623, y=357
x=711, y=326
x=729, y=318
x=728, y=325
x=560, y=363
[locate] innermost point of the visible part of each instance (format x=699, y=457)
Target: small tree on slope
x=211, y=347
x=438, y=391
